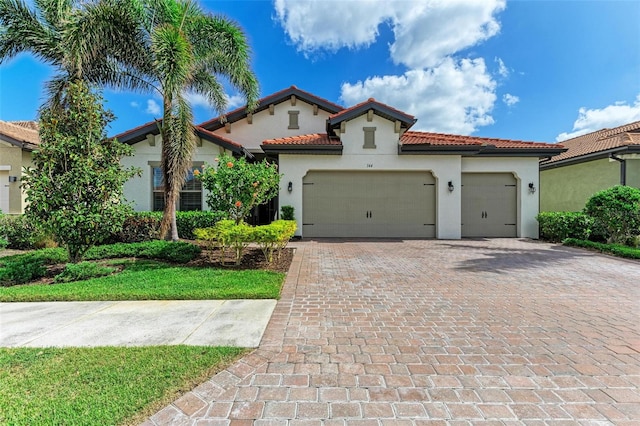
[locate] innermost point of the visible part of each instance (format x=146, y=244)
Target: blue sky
x=528, y=70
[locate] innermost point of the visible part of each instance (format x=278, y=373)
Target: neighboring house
x=360, y=171
x=18, y=139
x=592, y=162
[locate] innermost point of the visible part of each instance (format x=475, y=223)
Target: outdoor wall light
x=290, y=187
x=13, y=178
x=450, y=186
x=532, y=188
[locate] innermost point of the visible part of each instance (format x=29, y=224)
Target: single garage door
x=489, y=205
x=368, y=204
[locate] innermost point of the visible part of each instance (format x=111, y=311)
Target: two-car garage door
x=368, y=204
x=396, y=204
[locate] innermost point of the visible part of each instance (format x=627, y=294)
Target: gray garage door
x=368, y=204
x=489, y=207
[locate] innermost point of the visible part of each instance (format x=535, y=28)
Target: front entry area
x=489, y=205
x=362, y=204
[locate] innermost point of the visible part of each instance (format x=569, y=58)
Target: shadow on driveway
x=501, y=260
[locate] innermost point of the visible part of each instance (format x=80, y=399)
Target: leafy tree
x=617, y=211
x=75, y=187
x=236, y=186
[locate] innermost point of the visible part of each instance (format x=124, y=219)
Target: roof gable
x=378, y=108
x=273, y=99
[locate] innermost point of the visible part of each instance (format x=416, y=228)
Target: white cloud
x=455, y=97
x=591, y=120
x=446, y=94
x=152, y=107
x=509, y=99
x=134, y=104
x=502, y=68
x=424, y=31
x=235, y=101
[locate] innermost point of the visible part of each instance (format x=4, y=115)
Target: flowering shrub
x=240, y=186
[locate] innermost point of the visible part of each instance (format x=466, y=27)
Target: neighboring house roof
x=138, y=134
x=378, y=108
x=274, y=99
x=24, y=134
x=595, y=145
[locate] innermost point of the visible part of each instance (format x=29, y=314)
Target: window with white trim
x=190, y=196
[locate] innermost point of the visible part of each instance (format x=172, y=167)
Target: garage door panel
x=369, y=204
x=489, y=207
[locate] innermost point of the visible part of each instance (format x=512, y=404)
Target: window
x=369, y=137
x=293, y=119
x=190, y=195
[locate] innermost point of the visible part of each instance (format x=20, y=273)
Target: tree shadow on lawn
x=501, y=260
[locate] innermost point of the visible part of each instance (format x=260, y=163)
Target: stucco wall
x=138, y=190
x=266, y=126
x=445, y=168
x=633, y=172
x=568, y=188
x=11, y=162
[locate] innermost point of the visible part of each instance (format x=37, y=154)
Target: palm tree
x=81, y=40
x=186, y=49
x=167, y=47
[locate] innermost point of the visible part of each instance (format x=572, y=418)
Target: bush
x=20, y=232
x=82, y=271
x=556, y=226
x=190, y=220
x=176, y=252
x=615, y=249
x=287, y=212
x=617, y=211
x=138, y=227
x=22, y=270
x=3, y=243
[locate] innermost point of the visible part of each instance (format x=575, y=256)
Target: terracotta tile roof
x=21, y=132
x=426, y=138
x=263, y=103
x=601, y=140
x=369, y=104
x=206, y=132
x=313, y=139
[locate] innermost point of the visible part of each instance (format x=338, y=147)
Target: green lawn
x=153, y=280
x=100, y=386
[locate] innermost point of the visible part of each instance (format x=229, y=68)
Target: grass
x=153, y=280
x=614, y=249
x=100, y=386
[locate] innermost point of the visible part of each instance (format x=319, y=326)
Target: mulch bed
x=252, y=258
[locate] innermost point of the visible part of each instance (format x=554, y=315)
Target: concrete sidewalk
x=238, y=323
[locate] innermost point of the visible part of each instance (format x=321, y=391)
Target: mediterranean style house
x=361, y=172
x=18, y=139
x=591, y=163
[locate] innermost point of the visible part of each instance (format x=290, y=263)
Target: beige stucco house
x=18, y=139
x=361, y=171
x=592, y=162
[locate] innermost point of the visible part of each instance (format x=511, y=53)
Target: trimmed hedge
x=557, y=226
x=227, y=234
x=145, y=226
x=617, y=212
x=615, y=249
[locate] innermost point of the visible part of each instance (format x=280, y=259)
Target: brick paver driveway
x=499, y=331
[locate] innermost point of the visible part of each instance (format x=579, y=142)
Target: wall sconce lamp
x=13, y=178
x=532, y=188
x=290, y=187
x=450, y=186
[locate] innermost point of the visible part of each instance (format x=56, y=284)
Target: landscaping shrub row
x=227, y=234
x=20, y=233
x=557, y=226
x=23, y=268
x=615, y=249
